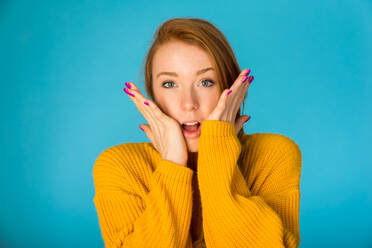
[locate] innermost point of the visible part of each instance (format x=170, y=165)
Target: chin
x=192, y=150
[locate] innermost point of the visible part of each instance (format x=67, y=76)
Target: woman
x=201, y=182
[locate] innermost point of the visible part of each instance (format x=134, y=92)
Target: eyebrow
x=176, y=75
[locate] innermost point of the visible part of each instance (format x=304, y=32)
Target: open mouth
x=191, y=128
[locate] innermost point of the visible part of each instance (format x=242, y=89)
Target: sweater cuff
x=175, y=171
x=217, y=128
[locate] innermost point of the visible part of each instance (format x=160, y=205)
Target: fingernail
x=126, y=91
x=141, y=128
x=146, y=103
x=247, y=73
x=245, y=79
x=247, y=119
x=128, y=85
x=251, y=79
x=228, y=93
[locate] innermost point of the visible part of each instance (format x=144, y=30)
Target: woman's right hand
x=164, y=132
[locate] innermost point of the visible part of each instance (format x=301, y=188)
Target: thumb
x=240, y=122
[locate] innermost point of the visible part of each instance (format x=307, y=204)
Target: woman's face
x=185, y=95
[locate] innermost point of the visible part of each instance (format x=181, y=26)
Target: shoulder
x=270, y=142
x=123, y=165
x=124, y=157
x=125, y=152
x=272, y=148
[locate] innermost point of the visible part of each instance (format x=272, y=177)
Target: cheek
x=207, y=105
x=211, y=101
x=166, y=103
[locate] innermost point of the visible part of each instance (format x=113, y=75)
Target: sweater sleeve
x=232, y=215
x=128, y=217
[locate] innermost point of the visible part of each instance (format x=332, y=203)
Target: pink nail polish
x=126, y=91
x=247, y=73
x=146, y=103
x=228, y=93
x=128, y=85
x=141, y=128
x=245, y=79
x=251, y=79
x=247, y=119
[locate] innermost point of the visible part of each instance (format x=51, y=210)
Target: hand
x=228, y=105
x=164, y=132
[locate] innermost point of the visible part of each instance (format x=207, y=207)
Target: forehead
x=177, y=56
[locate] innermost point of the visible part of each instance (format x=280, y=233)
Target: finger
x=221, y=105
x=132, y=88
x=237, y=99
x=147, y=107
x=240, y=80
x=239, y=87
x=245, y=83
x=245, y=89
x=137, y=98
x=231, y=92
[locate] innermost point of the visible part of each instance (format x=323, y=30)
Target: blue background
x=63, y=68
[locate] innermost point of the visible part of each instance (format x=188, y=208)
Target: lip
x=192, y=134
x=190, y=121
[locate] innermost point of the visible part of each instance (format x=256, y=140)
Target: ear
x=240, y=122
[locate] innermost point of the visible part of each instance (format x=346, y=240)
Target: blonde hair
x=201, y=33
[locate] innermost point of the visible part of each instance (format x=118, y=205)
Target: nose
x=190, y=101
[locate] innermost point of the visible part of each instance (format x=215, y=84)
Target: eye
x=204, y=80
x=166, y=83
x=208, y=80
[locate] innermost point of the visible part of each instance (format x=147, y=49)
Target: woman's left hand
x=228, y=105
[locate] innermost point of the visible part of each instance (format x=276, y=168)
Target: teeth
x=191, y=123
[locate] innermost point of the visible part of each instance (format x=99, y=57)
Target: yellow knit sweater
x=249, y=192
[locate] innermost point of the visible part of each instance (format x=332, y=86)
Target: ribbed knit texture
x=249, y=192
